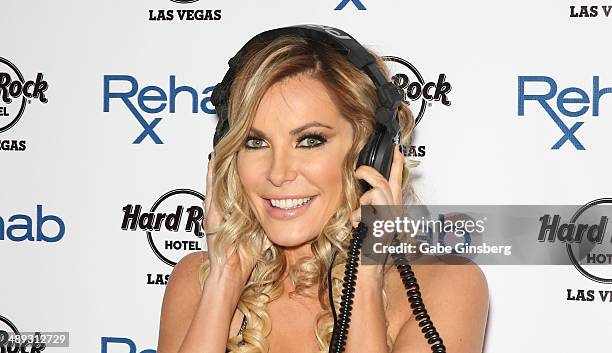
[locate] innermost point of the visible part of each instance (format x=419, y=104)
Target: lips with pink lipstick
x=288, y=206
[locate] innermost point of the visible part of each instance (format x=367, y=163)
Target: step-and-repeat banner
x=105, y=118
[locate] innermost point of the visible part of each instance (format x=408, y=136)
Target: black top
x=242, y=327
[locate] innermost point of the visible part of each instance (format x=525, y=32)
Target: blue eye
x=312, y=140
x=255, y=143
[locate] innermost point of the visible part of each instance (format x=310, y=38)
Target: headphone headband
x=389, y=96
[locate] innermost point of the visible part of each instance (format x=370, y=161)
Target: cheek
x=248, y=174
x=242, y=170
x=326, y=173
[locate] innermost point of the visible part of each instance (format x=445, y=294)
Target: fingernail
x=209, y=155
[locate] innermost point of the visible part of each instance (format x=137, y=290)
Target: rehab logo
x=418, y=93
x=173, y=225
x=43, y=227
x=16, y=93
x=358, y=4
x=124, y=342
x=153, y=99
x=570, y=102
x=184, y=14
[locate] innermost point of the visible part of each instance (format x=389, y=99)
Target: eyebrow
x=295, y=131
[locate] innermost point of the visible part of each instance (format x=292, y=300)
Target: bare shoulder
x=180, y=302
x=184, y=282
x=438, y=275
x=188, y=269
x=446, y=272
x=456, y=297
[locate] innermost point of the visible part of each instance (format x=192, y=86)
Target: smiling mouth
x=290, y=204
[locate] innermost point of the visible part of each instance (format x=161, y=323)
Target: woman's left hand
x=383, y=192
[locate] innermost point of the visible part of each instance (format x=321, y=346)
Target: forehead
x=294, y=101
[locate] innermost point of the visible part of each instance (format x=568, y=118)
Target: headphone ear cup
x=377, y=153
x=383, y=158
x=365, y=158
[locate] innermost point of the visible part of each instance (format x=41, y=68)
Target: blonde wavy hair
x=264, y=64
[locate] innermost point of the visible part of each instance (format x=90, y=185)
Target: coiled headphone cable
x=341, y=324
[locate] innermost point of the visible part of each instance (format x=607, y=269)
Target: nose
x=282, y=167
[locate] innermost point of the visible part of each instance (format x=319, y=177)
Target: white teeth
x=289, y=203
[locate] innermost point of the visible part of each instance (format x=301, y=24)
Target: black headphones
x=378, y=152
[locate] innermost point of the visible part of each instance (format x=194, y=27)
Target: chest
x=293, y=325
x=293, y=321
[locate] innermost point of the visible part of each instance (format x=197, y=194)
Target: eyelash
x=314, y=135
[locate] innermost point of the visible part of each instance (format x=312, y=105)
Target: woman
x=282, y=194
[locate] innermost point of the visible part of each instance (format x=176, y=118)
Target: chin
x=289, y=241
x=281, y=236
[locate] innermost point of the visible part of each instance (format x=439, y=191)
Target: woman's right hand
x=234, y=267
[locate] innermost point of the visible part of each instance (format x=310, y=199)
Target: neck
x=294, y=253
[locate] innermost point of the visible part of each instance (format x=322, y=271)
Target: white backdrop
x=81, y=165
